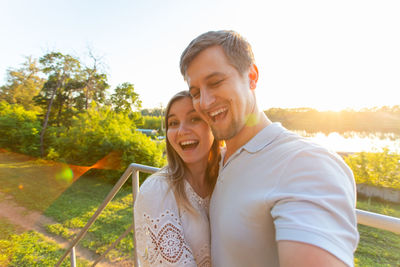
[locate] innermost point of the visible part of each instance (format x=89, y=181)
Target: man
x=280, y=200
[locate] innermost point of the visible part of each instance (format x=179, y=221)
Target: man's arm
x=299, y=254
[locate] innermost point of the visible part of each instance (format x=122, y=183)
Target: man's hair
x=237, y=50
x=177, y=170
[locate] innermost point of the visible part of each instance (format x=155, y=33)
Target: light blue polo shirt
x=280, y=186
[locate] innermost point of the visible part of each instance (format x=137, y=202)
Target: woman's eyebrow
x=170, y=115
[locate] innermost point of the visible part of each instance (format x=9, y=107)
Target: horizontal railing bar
x=143, y=168
x=378, y=221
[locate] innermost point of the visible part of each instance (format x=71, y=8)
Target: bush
x=380, y=169
x=19, y=129
x=100, y=132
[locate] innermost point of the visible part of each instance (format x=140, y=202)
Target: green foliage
x=22, y=85
x=7, y=229
x=59, y=230
x=125, y=98
x=19, y=129
x=30, y=249
x=153, y=122
x=99, y=131
x=154, y=112
x=376, y=168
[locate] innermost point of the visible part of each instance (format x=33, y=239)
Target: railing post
x=73, y=257
x=135, y=191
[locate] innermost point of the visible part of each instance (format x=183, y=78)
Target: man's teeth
x=217, y=112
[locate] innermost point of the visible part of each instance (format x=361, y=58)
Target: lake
x=355, y=141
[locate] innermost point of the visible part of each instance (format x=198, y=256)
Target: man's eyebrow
x=191, y=111
x=214, y=74
x=208, y=77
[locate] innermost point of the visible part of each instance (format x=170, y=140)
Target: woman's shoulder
x=157, y=183
x=155, y=195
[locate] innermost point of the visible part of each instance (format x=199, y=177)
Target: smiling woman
x=171, y=210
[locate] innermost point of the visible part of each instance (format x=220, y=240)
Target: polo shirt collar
x=263, y=138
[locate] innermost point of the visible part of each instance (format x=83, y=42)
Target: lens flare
x=251, y=120
x=65, y=174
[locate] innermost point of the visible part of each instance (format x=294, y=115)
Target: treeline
x=369, y=120
x=384, y=120
x=60, y=108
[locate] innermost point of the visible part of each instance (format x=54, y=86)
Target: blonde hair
x=176, y=169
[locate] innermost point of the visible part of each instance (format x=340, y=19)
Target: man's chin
x=223, y=134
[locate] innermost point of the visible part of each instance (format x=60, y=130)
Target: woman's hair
x=236, y=48
x=177, y=170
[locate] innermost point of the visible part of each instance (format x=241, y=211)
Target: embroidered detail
x=193, y=197
x=203, y=258
x=166, y=242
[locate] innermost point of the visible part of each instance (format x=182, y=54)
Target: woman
x=171, y=210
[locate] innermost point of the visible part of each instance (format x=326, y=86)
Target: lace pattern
x=165, y=243
x=164, y=235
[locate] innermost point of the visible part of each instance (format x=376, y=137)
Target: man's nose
x=206, y=99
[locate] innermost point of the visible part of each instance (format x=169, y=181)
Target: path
x=33, y=220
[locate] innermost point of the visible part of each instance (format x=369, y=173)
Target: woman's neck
x=197, y=178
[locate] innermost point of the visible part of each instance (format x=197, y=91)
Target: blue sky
x=328, y=55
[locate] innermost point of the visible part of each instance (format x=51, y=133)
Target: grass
x=32, y=183
x=78, y=203
x=378, y=247
x=72, y=205
x=28, y=248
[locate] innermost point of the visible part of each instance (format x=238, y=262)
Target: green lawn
x=378, y=247
x=72, y=204
x=20, y=248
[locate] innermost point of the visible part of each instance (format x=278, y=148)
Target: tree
x=23, y=85
x=125, y=100
x=60, y=68
x=94, y=85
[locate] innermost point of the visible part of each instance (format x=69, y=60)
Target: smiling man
x=280, y=200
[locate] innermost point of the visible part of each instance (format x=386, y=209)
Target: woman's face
x=188, y=134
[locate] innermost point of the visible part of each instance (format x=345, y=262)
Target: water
x=356, y=141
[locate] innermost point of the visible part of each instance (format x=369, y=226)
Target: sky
x=327, y=55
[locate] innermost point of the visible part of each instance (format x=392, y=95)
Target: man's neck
x=245, y=135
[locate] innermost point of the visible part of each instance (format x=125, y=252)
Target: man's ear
x=253, y=76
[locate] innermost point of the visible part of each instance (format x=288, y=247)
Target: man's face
x=221, y=95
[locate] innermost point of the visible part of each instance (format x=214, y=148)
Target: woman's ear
x=253, y=76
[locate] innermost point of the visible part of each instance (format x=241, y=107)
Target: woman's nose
x=183, y=129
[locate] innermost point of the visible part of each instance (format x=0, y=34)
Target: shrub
x=100, y=132
x=376, y=168
x=19, y=129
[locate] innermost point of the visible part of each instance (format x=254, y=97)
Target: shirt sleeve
x=159, y=235
x=315, y=204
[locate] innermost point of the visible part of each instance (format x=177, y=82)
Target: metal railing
x=363, y=217
x=134, y=170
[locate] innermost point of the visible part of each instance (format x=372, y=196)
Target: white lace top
x=163, y=236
